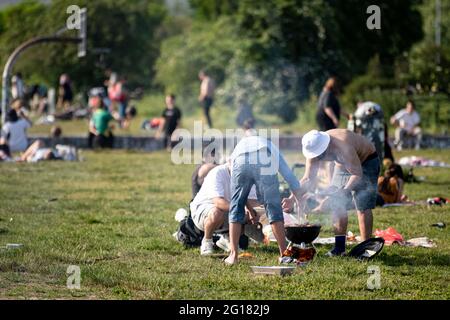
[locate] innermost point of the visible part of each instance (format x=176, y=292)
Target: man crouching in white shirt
x=211, y=205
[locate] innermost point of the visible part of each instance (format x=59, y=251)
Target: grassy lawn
x=113, y=215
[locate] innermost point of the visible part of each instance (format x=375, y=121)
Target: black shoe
x=335, y=253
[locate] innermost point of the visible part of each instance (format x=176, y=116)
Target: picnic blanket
x=414, y=161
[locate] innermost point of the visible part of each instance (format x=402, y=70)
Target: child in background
x=171, y=118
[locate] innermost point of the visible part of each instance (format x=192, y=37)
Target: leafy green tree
x=207, y=47
x=126, y=28
x=213, y=9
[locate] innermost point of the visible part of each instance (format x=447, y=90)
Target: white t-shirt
x=217, y=184
x=17, y=133
x=407, y=120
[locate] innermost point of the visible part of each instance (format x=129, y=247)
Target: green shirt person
x=101, y=119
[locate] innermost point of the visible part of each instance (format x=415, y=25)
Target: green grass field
x=113, y=215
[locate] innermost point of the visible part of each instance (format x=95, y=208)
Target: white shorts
x=199, y=214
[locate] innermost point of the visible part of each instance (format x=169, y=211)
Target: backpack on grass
x=188, y=234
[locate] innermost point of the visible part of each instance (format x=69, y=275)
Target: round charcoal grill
x=303, y=233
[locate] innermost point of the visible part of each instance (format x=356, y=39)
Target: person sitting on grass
x=100, y=134
x=15, y=130
x=5, y=154
x=210, y=208
x=201, y=171
x=390, y=186
x=407, y=126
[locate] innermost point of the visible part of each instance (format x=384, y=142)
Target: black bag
x=188, y=234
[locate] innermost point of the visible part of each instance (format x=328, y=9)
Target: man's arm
x=221, y=204
x=92, y=128
x=203, y=90
x=395, y=119
x=162, y=123
x=352, y=164
x=330, y=113
x=307, y=183
x=283, y=168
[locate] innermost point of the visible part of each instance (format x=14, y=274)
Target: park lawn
x=113, y=215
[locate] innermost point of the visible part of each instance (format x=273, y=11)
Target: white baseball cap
x=315, y=143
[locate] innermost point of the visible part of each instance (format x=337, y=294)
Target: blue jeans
x=245, y=173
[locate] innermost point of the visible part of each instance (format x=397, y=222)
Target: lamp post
x=81, y=40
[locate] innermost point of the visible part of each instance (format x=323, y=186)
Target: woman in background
x=390, y=186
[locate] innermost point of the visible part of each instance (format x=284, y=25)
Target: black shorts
x=365, y=193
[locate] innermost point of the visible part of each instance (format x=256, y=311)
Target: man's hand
x=252, y=216
x=323, y=206
x=287, y=204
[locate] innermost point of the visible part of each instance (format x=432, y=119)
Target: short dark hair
x=131, y=111
x=56, y=132
x=11, y=116
x=172, y=96
x=248, y=124
x=412, y=103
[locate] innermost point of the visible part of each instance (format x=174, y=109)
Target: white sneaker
x=224, y=243
x=207, y=247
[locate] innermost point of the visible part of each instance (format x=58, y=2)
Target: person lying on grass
x=38, y=152
x=355, y=177
x=257, y=161
x=211, y=205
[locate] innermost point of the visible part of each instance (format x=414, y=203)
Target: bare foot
x=231, y=260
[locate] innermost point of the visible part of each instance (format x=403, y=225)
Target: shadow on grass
x=395, y=260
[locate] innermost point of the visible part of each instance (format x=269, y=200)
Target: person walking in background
x=407, y=123
x=171, y=118
x=15, y=130
x=206, y=97
x=65, y=92
x=329, y=109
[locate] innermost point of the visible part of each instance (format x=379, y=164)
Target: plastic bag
x=390, y=236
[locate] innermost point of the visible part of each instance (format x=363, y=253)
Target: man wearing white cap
x=355, y=176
